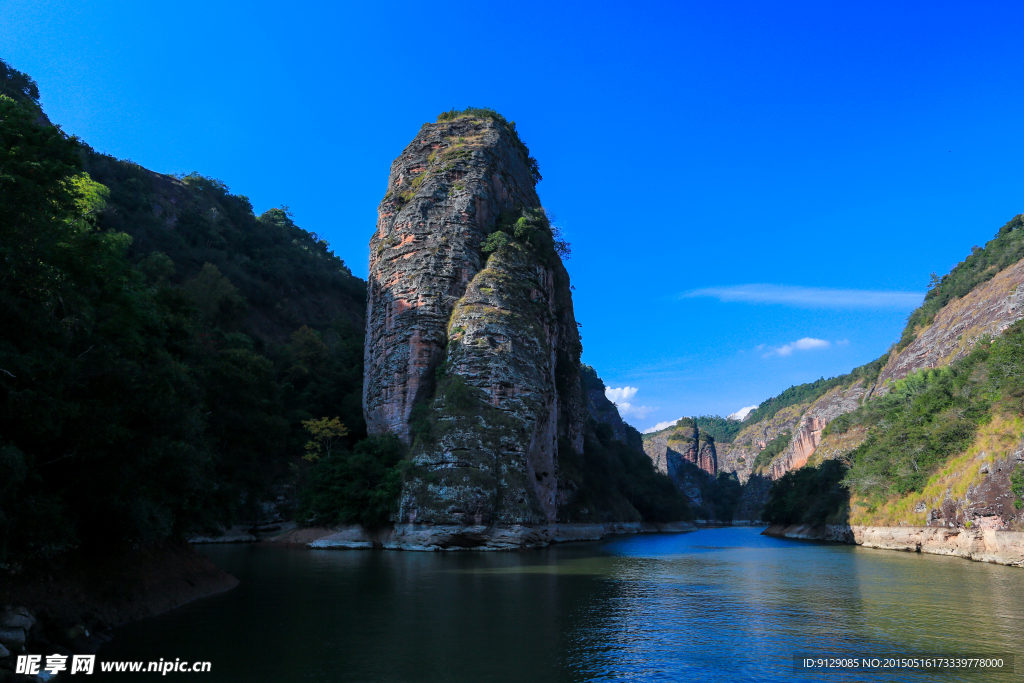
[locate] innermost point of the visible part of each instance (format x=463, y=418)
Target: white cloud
x=622, y=394
x=620, y=397
x=805, y=344
x=809, y=297
x=741, y=414
x=661, y=425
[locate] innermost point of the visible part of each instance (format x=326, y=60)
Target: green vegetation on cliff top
x=1002, y=251
x=488, y=113
x=532, y=229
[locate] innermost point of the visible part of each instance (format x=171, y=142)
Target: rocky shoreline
x=424, y=537
x=980, y=545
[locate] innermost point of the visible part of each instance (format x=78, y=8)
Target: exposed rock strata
x=683, y=443
x=988, y=309
x=686, y=455
x=486, y=343
x=836, y=446
x=981, y=545
x=988, y=504
x=444, y=193
x=807, y=433
x=738, y=456
x=514, y=340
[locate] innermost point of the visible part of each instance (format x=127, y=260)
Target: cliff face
x=485, y=342
x=807, y=432
x=444, y=193
x=987, y=309
x=739, y=455
x=683, y=443
x=973, y=489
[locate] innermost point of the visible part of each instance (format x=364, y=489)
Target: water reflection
x=718, y=604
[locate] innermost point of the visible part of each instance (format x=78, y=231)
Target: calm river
x=715, y=605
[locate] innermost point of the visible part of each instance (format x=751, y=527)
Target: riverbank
x=423, y=537
x=69, y=606
x=980, y=545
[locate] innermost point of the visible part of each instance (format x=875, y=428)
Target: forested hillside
x=161, y=345
x=937, y=439
x=900, y=428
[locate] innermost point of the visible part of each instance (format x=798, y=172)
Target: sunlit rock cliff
x=686, y=454
x=451, y=320
x=472, y=349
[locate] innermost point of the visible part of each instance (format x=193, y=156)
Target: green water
x=714, y=605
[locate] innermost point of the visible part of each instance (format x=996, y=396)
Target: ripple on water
x=717, y=604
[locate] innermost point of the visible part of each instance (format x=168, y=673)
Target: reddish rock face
x=684, y=444
x=807, y=434
x=486, y=343
x=444, y=193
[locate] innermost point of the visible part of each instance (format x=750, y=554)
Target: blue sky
x=734, y=177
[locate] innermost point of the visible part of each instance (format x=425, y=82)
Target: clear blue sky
x=687, y=148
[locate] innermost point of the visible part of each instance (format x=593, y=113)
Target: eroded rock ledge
x=980, y=545
x=426, y=537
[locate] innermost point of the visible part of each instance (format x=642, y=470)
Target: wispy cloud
x=808, y=297
x=621, y=397
x=661, y=425
x=805, y=344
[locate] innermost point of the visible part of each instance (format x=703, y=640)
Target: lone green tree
x=325, y=432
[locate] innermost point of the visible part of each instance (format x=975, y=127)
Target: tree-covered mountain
x=161, y=345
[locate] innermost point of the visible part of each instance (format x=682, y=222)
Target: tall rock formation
x=472, y=348
x=682, y=443
x=444, y=194
x=686, y=455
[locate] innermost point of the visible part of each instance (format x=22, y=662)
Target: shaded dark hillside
x=161, y=346
x=287, y=276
